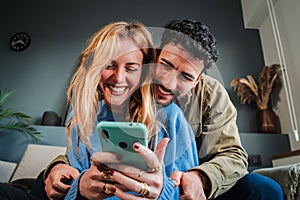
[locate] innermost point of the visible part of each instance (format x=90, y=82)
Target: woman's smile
x=117, y=90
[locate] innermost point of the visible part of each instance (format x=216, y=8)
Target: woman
x=112, y=83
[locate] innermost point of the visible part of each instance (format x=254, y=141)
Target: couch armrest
x=6, y=170
x=287, y=176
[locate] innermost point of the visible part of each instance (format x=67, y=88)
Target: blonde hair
x=83, y=93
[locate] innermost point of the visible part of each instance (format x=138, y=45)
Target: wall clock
x=20, y=41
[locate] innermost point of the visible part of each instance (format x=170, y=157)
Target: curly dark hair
x=194, y=36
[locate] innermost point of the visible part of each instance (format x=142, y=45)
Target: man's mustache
x=173, y=92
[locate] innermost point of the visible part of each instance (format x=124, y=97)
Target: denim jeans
x=254, y=187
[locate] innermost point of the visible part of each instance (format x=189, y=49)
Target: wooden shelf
x=286, y=158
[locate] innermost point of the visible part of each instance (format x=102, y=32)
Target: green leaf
x=22, y=127
x=5, y=95
x=14, y=120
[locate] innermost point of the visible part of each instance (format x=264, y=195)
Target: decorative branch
x=251, y=92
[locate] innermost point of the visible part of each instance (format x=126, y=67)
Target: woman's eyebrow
x=133, y=63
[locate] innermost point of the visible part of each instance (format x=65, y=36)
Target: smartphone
x=119, y=137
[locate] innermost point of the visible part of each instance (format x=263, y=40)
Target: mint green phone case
x=119, y=137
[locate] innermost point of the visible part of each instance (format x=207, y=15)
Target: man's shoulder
x=211, y=82
x=211, y=92
x=210, y=87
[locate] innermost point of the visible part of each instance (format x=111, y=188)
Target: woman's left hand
x=148, y=184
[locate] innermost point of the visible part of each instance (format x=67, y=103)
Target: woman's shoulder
x=171, y=111
x=171, y=107
x=69, y=118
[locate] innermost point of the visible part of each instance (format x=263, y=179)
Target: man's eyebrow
x=168, y=62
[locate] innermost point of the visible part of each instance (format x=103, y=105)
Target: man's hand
x=190, y=183
x=57, y=182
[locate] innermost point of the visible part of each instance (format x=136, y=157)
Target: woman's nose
x=119, y=75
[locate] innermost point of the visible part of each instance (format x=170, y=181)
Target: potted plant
x=250, y=92
x=13, y=120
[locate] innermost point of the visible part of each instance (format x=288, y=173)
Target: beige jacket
x=212, y=116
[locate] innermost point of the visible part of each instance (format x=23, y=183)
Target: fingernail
x=113, y=190
x=111, y=172
x=136, y=146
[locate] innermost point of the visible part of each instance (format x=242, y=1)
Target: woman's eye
x=110, y=67
x=131, y=69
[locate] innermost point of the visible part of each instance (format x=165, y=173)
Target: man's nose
x=170, y=82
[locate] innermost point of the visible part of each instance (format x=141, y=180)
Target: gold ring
x=105, y=176
x=106, y=190
x=145, y=190
x=155, y=169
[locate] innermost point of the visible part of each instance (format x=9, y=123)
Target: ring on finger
x=155, y=169
x=139, y=176
x=105, y=176
x=106, y=190
x=145, y=189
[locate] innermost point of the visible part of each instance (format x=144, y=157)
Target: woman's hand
x=148, y=184
x=93, y=183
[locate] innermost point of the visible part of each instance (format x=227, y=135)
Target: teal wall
x=59, y=31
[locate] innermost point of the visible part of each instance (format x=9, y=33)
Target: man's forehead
x=183, y=55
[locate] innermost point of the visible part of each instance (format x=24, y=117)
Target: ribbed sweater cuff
x=168, y=189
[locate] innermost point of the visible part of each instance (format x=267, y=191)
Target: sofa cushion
x=35, y=160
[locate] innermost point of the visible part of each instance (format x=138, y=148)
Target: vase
x=268, y=121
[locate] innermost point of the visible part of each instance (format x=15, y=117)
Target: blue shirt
x=181, y=152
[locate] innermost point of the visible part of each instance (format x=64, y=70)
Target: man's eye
x=186, y=77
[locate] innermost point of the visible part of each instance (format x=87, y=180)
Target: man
x=187, y=49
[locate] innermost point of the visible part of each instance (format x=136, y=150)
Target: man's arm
x=188, y=181
x=57, y=176
x=59, y=159
x=223, y=160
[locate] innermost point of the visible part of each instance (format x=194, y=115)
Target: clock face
x=20, y=41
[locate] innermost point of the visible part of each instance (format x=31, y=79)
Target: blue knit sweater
x=181, y=152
